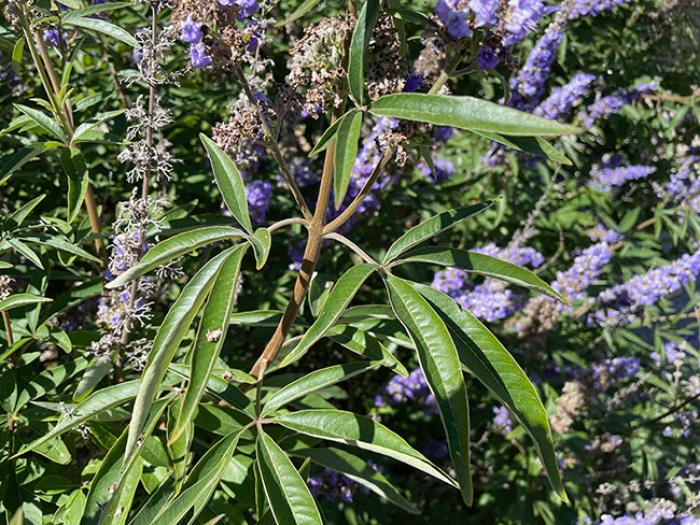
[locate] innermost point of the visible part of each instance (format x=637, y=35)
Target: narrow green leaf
x=262, y=242
x=19, y=300
x=62, y=244
x=83, y=131
x=480, y=264
x=328, y=136
x=467, y=113
x=286, y=492
x=486, y=358
x=109, y=480
x=230, y=182
x=20, y=214
x=257, y=318
x=210, y=337
x=532, y=145
x=18, y=51
x=304, y=7
x=177, y=245
x=430, y=228
x=361, y=432
x=78, y=180
x=346, y=146
x=25, y=250
x=439, y=360
x=357, y=58
x=200, y=484
x=339, y=298
x=358, y=470
x=12, y=163
x=167, y=341
x=44, y=122
x=314, y=381
x=104, y=27
x=362, y=343
x=98, y=369
x=104, y=399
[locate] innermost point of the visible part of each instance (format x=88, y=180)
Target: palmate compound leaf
x=361, y=432
x=480, y=264
x=467, y=113
x=177, y=245
x=210, y=337
x=167, y=341
x=439, y=360
x=486, y=358
x=431, y=227
x=339, y=298
x=286, y=492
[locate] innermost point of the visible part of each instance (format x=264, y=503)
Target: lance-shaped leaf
x=78, y=180
x=111, y=479
x=313, y=381
x=177, y=245
x=100, y=366
x=467, y=113
x=361, y=432
x=357, y=58
x=262, y=242
x=480, y=264
x=100, y=401
x=358, y=470
x=364, y=344
x=104, y=27
x=11, y=163
x=61, y=244
x=286, y=491
x=84, y=132
x=18, y=216
x=346, y=145
x=328, y=136
x=210, y=337
x=339, y=298
x=430, y=228
x=533, y=145
x=167, y=341
x=43, y=121
x=487, y=359
x=439, y=360
x=94, y=9
x=230, y=183
x=19, y=300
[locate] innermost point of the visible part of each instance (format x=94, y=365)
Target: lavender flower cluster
x=558, y=105
x=334, y=486
x=490, y=300
x=604, y=107
x=612, y=172
x=401, y=390
x=683, y=188
x=620, y=304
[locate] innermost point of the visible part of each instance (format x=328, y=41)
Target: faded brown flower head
x=570, y=405
x=316, y=64
x=387, y=70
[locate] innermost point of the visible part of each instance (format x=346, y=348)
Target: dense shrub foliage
x=302, y=261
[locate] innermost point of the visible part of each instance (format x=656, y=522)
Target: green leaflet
x=357, y=57
x=286, y=492
x=111, y=479
x=167, y=341
x=230, y=183
x=467, y=113
x=364, y=344
x=485, y=357
x=44, y=122
x=17, y=217
x=313, y=381
x=339, y=298
x=262, y=242
x=98, y=369
x=169, y=249
x=359, y=471
x=440, y=363
x=210, y=337
x=94, y=9
x=304, y=7
x=430, y=228
x=346, y=146
x=78, y=180
x=533, y=145
x=102, y=26
x=361, y=432
x=328, y=136
x=19, y=300
x=480, y=264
